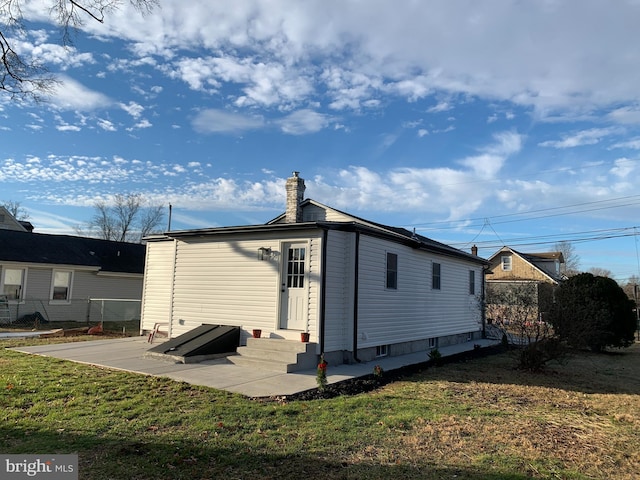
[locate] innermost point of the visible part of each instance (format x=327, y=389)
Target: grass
x=475, y=420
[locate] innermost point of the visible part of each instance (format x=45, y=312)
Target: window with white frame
x=13, y=283
x=506, y=263
x=435, y=276
x=472, y=282
x=433, y=342
x=382, y=350
x=392, y=271
x=61, y=285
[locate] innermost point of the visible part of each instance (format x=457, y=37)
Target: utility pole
x=635, y=294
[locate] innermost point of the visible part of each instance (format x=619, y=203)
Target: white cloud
x=144, y=123
x=303, y=122
x=626, y=115
x=71, y=95
x=60, y=170
x=591, y=136
x=220, y=121
x=132, y=108
x=106, y=125
x=624, y=167
x=68, y=128
x=534, y=54
x=492, y=157
x=440, y=107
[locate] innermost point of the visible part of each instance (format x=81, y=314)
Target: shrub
x=435, y=356
x=321, y=374
x=593, y=312
x=534, y=357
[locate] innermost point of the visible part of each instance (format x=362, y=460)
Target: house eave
x=102, y=273
x=368, y=229
x=60, y=266
x=206, y=232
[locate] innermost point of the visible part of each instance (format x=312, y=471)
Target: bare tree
x=516, y=311
x=127, y=218
x=150, y=218
x=16, y=210
x=571, y=258
x=600, y=272
x=631, y=287
x=28, y=78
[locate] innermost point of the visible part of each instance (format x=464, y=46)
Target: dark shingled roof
x=117, y=257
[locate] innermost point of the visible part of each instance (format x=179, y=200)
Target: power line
x=604, y=233
x=506, y=215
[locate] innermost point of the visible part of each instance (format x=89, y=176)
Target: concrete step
x=276, y=355
x=280, y=345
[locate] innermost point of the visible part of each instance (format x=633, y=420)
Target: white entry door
x=294, y=307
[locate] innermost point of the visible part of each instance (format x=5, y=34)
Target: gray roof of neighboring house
x=108, y=256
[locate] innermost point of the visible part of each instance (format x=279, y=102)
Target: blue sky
x=496, y=123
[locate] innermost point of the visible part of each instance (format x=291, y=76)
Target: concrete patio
x=128, y=354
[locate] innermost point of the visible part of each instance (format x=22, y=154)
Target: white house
x=360, y=289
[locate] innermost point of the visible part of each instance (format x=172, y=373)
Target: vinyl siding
x=314, y=213
x=86, y=284
x=158, y=279
x=340, y=271
x=223, y=282
x=414, y=310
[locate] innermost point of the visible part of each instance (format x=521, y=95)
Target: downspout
x=355, y=298
x=483, y=304
x=323, y=288
x=173, y=286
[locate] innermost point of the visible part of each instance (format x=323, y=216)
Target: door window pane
x=295, y=268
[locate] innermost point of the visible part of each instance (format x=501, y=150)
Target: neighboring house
x=361, y=289
x=56, y=275
x=509, y=269
x=9, y=222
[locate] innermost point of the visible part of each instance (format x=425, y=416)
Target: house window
x=435, y=276
x=506, y=263
x=61, y=287
x=382, y=351
x=472, y=282
x=13, y=283
x=433, y=343
x=295, y=268
x=392, y=271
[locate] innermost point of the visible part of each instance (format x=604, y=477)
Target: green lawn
x=475, y=420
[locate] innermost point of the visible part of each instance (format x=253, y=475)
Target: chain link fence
x=115, y=314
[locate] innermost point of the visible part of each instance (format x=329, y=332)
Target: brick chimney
x=474, y=250
x=295, y=194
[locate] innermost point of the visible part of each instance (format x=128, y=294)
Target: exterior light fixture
x=264, y=253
